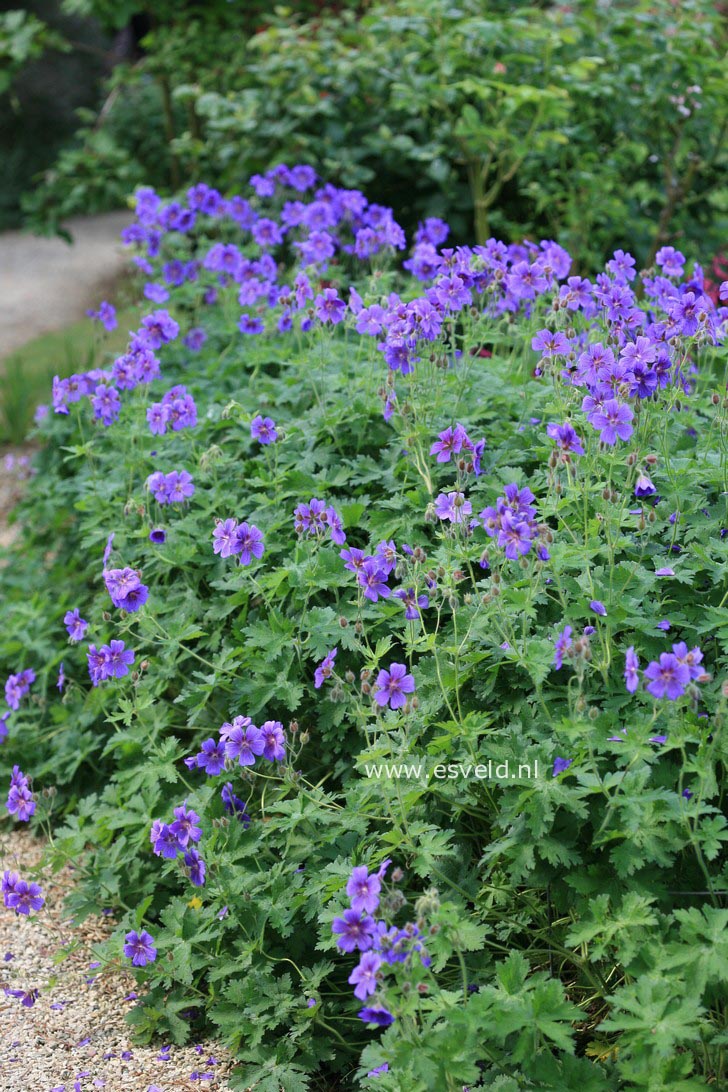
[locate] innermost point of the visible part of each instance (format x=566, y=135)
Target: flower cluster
x=242, y=742
x=455, y=441
x=20, y=802
x=362, y=928
x=242, y=540
x=126, y=589
x=111, y=661
x=170, y=839
x=670, y=676
x=316, y=519
x=177, y=410
x=512, y=521
x=19, y=895
x=17, y=686
x=176, y=487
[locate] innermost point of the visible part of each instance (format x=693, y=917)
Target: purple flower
x=325, y=668
x=185, y=826
x=20, y=802
x=631, y=668
x=211, y=757
x=668, y=677
x=392, y=685
x=453, y=506
x=106, y=404
x=413, y=603
x=157, y=329
x=692, y=659
x=364, y=976
x=328, y=307
x=106, y=315
x=373, y=579
x=354, y=929
x=195, y=339
x=671, y=261
x=165, y=842
x=4, y=726
x=363, y=890
x=643, y=486
x=612, y=421
x=223, y=537
x=118, y=659
x=336, y=528
x=158, y=536
x=665, y=571
x=376, y=1014
x=514, y=534
x=449, y=443
x=551, y=344
x=598, y=607
x=561, y=764
x=173, y=488
x=273, y=741
x=179, y=486
x=562, y=646
x=565, y=437
x=243, y=741
x=247, y=324
x=234, y=805
x=75, y=625
x=248, y=543
x=196, y=867
x=21, y=896
x=139, y=948
x=263, y=430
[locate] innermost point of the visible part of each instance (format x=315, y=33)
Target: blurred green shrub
x=510, y=119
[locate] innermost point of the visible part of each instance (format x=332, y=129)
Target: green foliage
x=23, y=38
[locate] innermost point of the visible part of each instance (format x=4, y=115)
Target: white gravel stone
x=75, y=1037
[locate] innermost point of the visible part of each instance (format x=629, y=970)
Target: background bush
x=512, y=119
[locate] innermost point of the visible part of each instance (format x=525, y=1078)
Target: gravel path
x=45, y=284
x=74, y=1038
